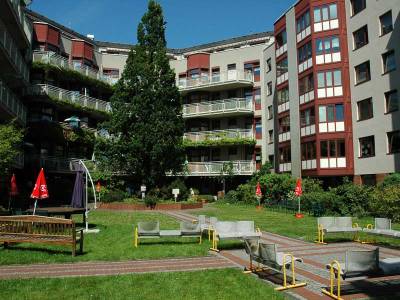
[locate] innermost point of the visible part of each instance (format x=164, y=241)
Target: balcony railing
x=70, y=97
x=223, y=77
x=25, y=23
x=12, y=104
x=54, y=163
x=214, y=168
x=218, y=107
x=54, y=59
x=216, y=135
x=10, y=46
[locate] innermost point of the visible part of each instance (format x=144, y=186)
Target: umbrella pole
x=9, y=202
x=34, y=208
x=86, y=195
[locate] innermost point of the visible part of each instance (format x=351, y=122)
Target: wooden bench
x=38, y=229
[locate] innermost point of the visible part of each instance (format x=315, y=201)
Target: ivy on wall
x=219, y=142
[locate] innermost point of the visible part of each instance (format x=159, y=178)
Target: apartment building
x=221, y=87
x=320, y=90
x=15, y=56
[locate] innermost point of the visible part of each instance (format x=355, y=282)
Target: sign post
x=143, y=190
x=298, y=191
x=175, y=192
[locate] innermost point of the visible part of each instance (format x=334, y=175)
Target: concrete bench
x=336, y=225
x=383, y=226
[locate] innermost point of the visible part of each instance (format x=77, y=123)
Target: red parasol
x=298, y=190
x=13, y=188
x=40, y=190
x=258, y=190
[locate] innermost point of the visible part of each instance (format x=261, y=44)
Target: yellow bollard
x=320, y=237
x=135, y=238
x=294, y=284
x=330, y=293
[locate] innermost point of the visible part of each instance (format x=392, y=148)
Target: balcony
x=54, y=59
x=214, y=168
x=11, y=60
x=53, y=163
x=13, y=14
x=217, y=82
x=11, y=104
x=233, y=106
x=71, y=97
x=219, y=137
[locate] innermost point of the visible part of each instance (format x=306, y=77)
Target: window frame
x=281, y=127
x=357, y=82
x=303, y=22
x=382, y=32
x=280, y=93
x=360, y=140
x=279, y=67
x=305, y=52
x=269, y=88
x=337, y=151
x=310, y=87
x=390, y=93
x=328, y=108
x=385, y=57
x=269, y=65
x=370, y=109
x=311, y=117
x=305, y=151
x=355, y=47
x=270, y=112
x=323, y=40
x=333, y=78
x=390, y=143
x=285, y=155
x=321, y=8
x=364, y=6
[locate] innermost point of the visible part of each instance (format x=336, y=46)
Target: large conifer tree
x=146, y=119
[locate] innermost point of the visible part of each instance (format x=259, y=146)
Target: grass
x=114, y=242
x=286, y=224
x=210, y=284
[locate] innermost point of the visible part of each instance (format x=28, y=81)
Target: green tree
x=10, y=140
x=146, y=121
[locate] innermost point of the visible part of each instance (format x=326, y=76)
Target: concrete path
x=313, y=270
x=114, y=268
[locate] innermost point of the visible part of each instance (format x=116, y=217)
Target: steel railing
x=10, y=46
x=54, y=163
x=206, y=79
x=54, y=59
x=218, y=106
x=240, y=167
x=25, y=23
x=216, y=135
x=12, y=104
x=70, y=97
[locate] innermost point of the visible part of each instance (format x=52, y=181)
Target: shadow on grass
x=43, y=250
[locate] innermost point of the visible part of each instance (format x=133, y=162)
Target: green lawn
x=211, y=284
x=285, y=223
x=113, y=242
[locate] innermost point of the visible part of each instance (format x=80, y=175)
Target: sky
x=189, y=22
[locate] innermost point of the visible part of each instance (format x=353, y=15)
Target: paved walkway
x=114, y=268
x=313, y=269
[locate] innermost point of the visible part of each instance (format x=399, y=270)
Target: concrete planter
x=159, y=206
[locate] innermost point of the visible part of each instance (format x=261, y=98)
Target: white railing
x=54, y=59
x=213, y=168
x=12, y=104
x=216, y=135
x=54, y=163
x=70, y=97
x=223, y=77
x=10, y=46
x=219, y=106
x=25, y=23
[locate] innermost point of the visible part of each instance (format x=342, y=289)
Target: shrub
x=231, y=197
x=311, y=185
x=324, y=201
x=183, y=190
x=392, y=179
x=277, y=186
x=385, y=202
x=112, y=195
x=208, y=198
x=150, y=201
x=246, y=193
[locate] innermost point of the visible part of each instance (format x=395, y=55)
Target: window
x=360, y=37
x=305, y=52
x=284, y=124
x=327, y=45
x=386, y=22
x=367, y=146
x=285, y=155
x=357, y=6
x=232, y=123
x=257, y=98
x=363, y=73
x=215, y=74
x=392, y=101
x=303, y=22
x=269, y=65
x=306, y=84
x=331, y=113
x=393, y=141
x=308, y=151
x=307, y=117
x=283, y=95
x=269, y=88
x=329, y=79
x=271, y=136
x=258, y=129
x=282, y=67
x=333, y=148
x=325, y=13
x=270, y=112
x=389, y=62
x=252, y=70
x=365, y=110
x=281, y=39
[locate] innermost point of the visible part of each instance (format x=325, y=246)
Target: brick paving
x=313, y=270
x=114, y=268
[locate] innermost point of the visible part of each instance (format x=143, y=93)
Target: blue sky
x=189, y=22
